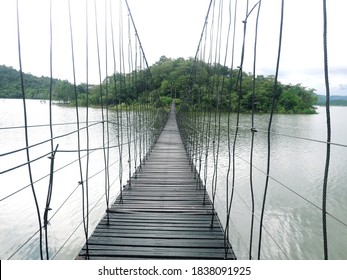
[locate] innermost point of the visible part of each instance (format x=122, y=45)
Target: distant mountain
x=335, y=100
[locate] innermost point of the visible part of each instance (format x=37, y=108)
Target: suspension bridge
x=163, y=190
x=163, y=212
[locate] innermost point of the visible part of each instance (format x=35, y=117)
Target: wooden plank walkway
x=162, y=215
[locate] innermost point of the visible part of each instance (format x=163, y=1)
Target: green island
x=169, y=79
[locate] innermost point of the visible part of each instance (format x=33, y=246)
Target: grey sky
x=172, y=28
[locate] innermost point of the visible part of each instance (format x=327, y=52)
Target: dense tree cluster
x=210, y=86
x=186, y=81
x=35, y=87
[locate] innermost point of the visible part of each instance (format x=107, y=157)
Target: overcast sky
x=172, y=28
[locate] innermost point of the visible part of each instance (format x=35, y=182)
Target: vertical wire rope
x=85, y=195
x=209, y=99
x=150, y=135
x=239, y=93
x=274, y=98
x=107, y=173
x=124, y=82
x=328, y=125
x=120, y=115
x=81, y=181
x=141, y=110
x=213, y=70
x=197, y=61
x=239, y=96
x=202, y=116
x=203, y=32
x=53, y=152
x=118, y=102
x=128, y=108
x=145, y=115
x=253, y=130
x=102, y=108
x=206, y=113
x=226, y=247
x=136, y=111
x=219, y=100
x=201, y=123
x=227, y=233
x=26, y=131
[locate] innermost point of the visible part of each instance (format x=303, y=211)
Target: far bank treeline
x=168, y=79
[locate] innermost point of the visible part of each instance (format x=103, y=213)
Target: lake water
x=292, y=226
x=18, y=216
x=293, y=219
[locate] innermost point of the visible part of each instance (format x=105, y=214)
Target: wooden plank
x=108, y=252
x=157, y=228
x=165, y=234
x=151, y=242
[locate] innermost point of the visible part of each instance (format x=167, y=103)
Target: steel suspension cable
x=227, y=236
x=226, y=241
x=107, y=159
x=273, y=132
x=120, y=117
x=135, y=111
x=45, y=141
x=253, y=130
x=74, y=231
x=209, y=100
x=328, y=125
x=205, y=107
x=26, y=130
x=101, y=103
x=274, y=98
x=55, y=171
x=118, y=102
x=142, y=116
x=344, y=223
x=193, y=69
x=239, y=96
x=85, y=192
x=129, y=91
x=53, y=152
x=219, y=96
x=64, y=202
x=81, y=181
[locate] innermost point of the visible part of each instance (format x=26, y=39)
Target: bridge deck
x=162, y=215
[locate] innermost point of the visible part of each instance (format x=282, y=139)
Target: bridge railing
x=126, y=150
x=238, y=155
x=62, y=165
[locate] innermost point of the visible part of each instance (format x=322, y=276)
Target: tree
x=196, y=83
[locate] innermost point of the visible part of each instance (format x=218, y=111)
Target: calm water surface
x=292, y=222
x=18, y=214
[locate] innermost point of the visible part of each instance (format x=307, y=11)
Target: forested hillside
x=205, y=86
x=35, y=87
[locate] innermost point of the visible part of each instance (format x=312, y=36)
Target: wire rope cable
x=226, y=233
x=26, y=130
x=253, y=130
x=274, y=98
x=328, y=126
